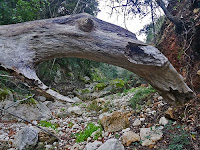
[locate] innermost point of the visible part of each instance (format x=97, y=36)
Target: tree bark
x=23, y=46
x=176, y=21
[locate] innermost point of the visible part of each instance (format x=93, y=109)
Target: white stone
x=142, y=119
x=160, y=98
x=48, y=147
x=163, y=121
x=76, y=99
x=34, y=122
x=149, y=136
x=130, y=137
x=137, y=122
x=75, y=126
x=126, y=130
x=26, y=137
x=76, y=146
x=111, y=144
x=93, y=146
x=153, y=112
x=105, y=134
x=148, y=110
x=75, y=109
x=41, y=98
x=160, y=104
x=89, y=139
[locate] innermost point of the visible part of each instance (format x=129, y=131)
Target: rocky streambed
x=104, y=123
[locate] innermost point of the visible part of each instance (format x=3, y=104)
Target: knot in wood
x=86, y=25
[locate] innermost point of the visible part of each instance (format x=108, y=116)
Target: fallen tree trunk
x=23, y=46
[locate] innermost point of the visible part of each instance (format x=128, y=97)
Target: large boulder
x=75, y=110
x=93, y=146
x=149, y=136
x=115, y=121
x=111, y=144
x=29, y=111
x=26, y=138
x=46, y=137
x=130, y=137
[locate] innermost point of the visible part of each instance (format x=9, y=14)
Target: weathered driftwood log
x=23, y=46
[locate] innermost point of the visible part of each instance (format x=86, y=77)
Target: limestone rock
x=126, y=130
x=111, y=144
x=28, y=111
x=93, y=146
x=77, y=110
x=149, y=136
x=76, y=99
x=198, y=72
x=137, y=122
x=45, y=137
x=4, y=145
x=169, y=113
x=41, y=98
x=76, y=146
x=115, y=121
x=163, y=121
x=26, y=138
x=45, y=111
x=129, y=137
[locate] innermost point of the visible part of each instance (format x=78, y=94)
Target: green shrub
x=91, y=127
x=4, y=93
x=118, y=83
x=29, y=101
x=48, y=124
x=180, y=138
x=100, y=86
x=141, y=93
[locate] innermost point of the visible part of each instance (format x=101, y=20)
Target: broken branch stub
x=23, y=46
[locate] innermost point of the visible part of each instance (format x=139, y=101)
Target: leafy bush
x=141, y=93
x=118, y=83
x=180, y=138
x=91, y=127
x=100, y=86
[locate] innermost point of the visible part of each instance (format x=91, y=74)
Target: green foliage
x=148, y=29
x=100, y=86
x=179, y=138
x=91, y=127
x=84, y=91
x=70, y=125
x=15, y=11
x=118, y=83
x=97, y=75
x=141, y=93
x=48, y=124
x=4, y=93
x=29, y=101
x=8, y=82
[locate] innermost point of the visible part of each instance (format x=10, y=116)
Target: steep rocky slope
x=182, y=47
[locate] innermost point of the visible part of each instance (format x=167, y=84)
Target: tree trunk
x=23, y=46
x=176, y=21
